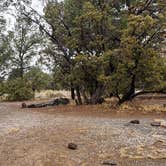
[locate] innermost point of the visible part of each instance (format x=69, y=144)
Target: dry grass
x=154, y=151
x=110, y=104
x=154, y=108
x=142, y=108
x=3, y=97
x=48, y=94
x=45, y=94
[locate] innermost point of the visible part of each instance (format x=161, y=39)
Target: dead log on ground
x=56, y=102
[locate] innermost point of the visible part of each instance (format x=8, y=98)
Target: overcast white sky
x=36, y=4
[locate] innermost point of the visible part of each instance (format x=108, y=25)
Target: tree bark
x=85, y=97
x=132, y=96
x=78, y=96
x=130, y=92
x=72, y=93
x=97, y=96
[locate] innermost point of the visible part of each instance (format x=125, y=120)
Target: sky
x=36, y=4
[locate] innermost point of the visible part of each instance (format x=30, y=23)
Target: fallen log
x=56, y=102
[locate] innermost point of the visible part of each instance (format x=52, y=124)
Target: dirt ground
x=39, y=137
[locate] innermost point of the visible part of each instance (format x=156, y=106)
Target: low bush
x=18, y=90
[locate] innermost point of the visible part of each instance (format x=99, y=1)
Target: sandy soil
x=39, y=137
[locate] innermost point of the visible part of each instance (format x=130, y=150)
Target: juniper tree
x=118, y=39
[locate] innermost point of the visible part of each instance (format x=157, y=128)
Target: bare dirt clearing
x=40, y=137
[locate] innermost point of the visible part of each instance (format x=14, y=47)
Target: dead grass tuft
x=154, y=151
x=154, y=108
x=142, y=107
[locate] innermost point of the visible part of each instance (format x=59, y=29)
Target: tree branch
x=162, y=91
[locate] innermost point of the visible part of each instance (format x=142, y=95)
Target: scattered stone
x=113, y=163
x=24, y=105
x=72, y=146
x=135, y=122
x=156, y=124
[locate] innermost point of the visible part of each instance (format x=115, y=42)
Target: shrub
x=19, y=90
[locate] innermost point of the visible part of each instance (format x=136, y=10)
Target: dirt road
x=37, y=138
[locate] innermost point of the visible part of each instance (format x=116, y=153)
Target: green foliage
x=18, y=90
x=2, y=88
x=61, y=80
x=37, y=79
x=108, y=45
x=139, y=64
x=100, y=47
x=86, y=73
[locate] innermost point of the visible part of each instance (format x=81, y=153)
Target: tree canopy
x=101, y=48
x=112, y=44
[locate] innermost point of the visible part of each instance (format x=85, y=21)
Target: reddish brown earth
x=39, y=137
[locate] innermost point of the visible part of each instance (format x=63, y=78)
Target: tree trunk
x=97, y=96
x=130, y=93
x=72, y=92
x=78, y=96
x=85, y=97
x=34, y=90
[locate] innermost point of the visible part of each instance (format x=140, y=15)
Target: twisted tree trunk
x=79, y=99
x=97, y=96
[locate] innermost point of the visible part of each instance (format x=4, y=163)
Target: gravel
x=39, y=139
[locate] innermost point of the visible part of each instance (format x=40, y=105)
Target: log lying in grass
x=56, y=102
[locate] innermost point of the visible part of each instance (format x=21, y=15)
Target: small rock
x=113, y=163
x=24, y=105
x=156, y=124
x=135, y=122
x=72, y=146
